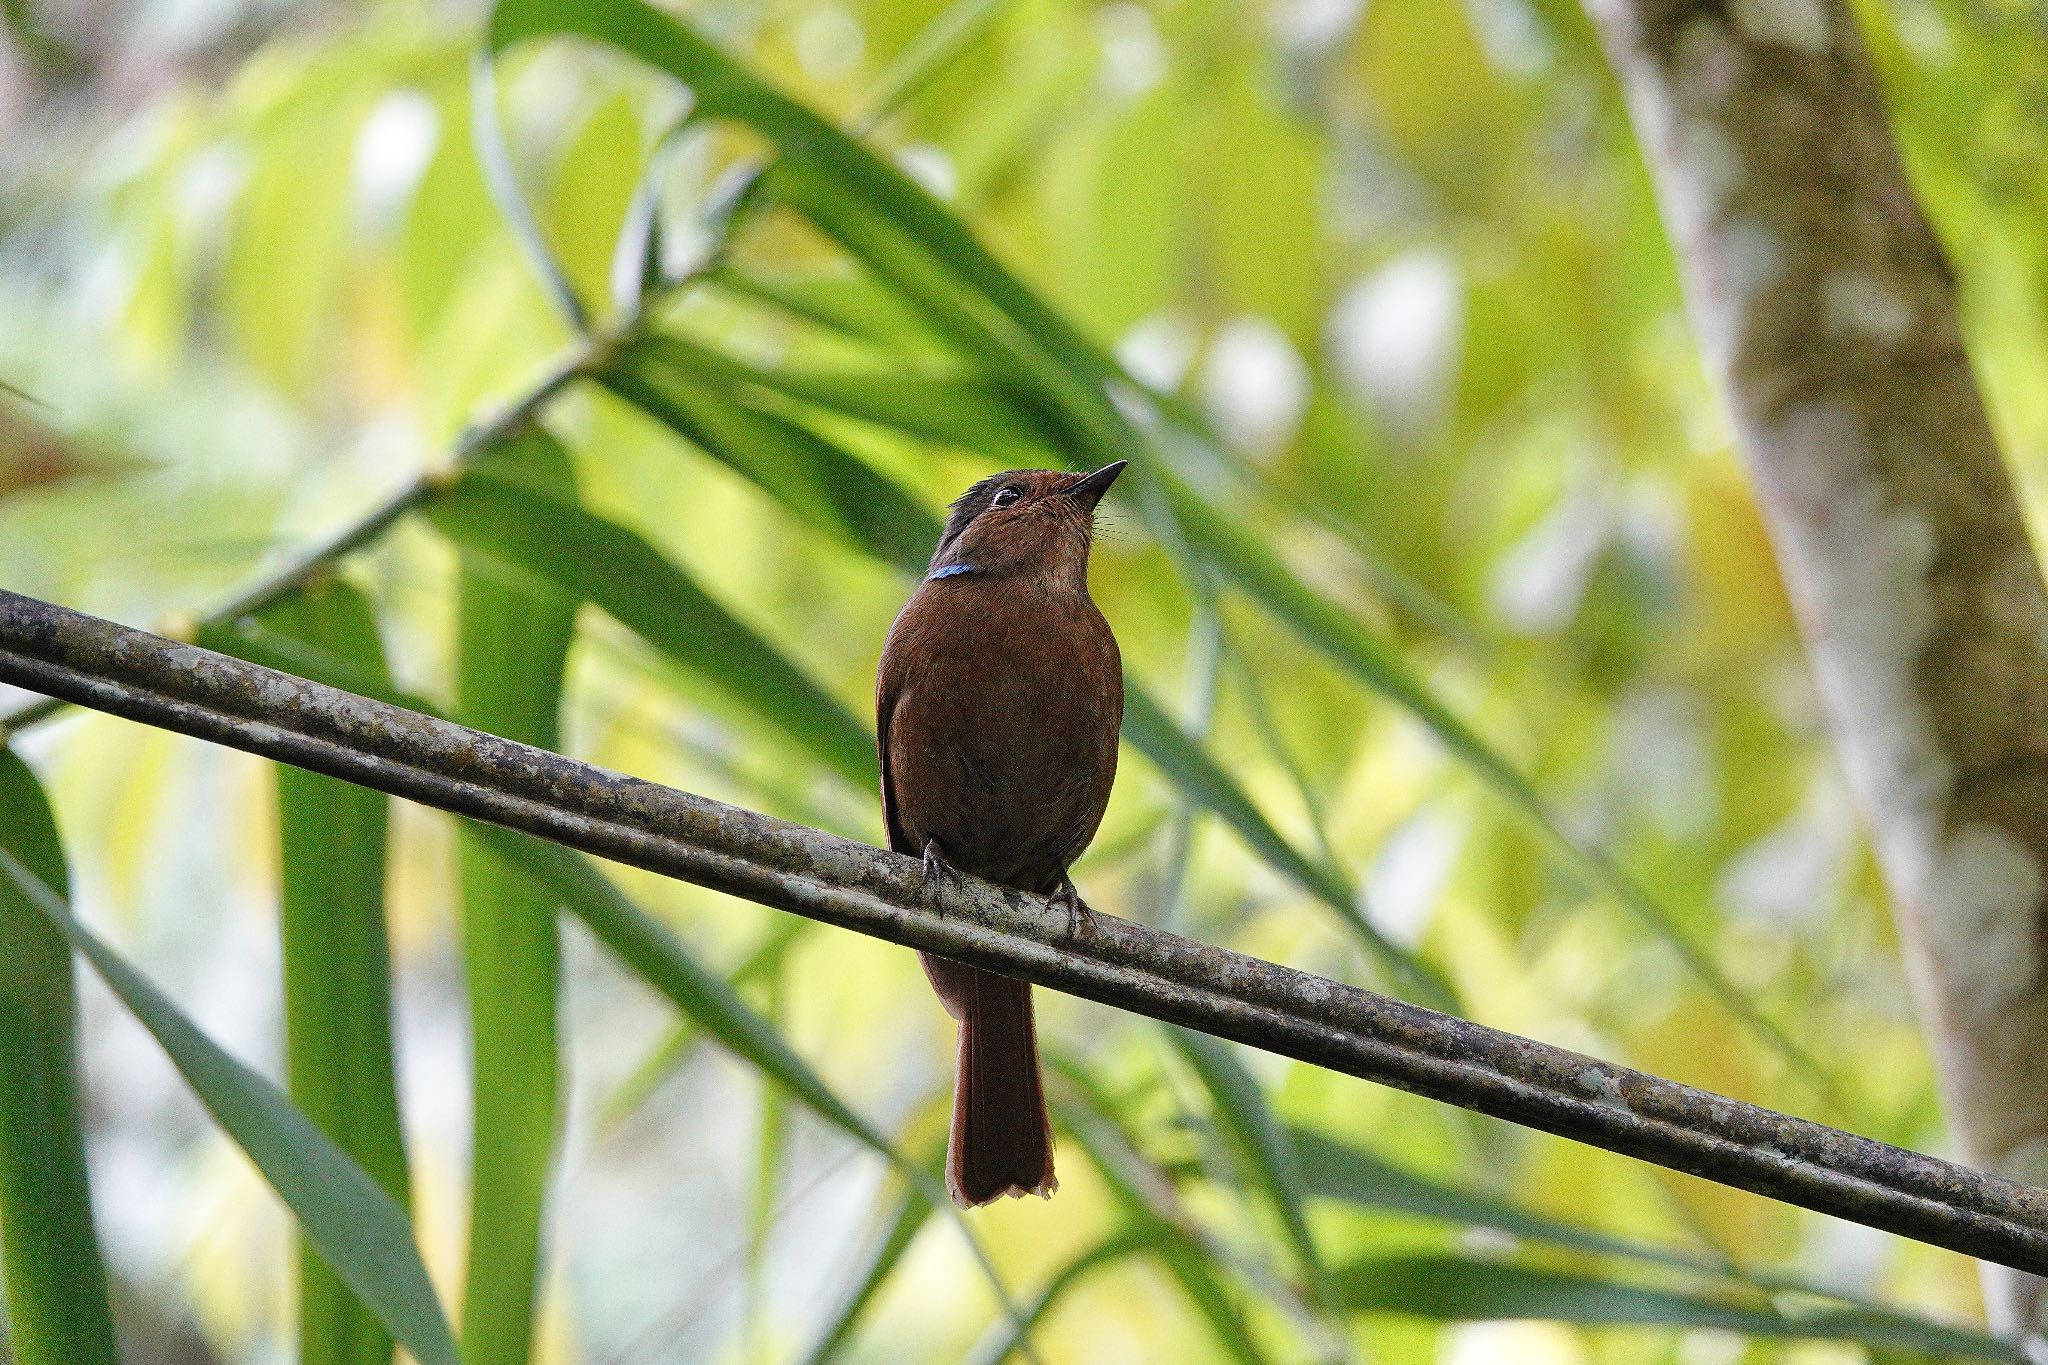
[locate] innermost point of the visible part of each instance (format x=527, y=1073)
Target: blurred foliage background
x=1424, y=445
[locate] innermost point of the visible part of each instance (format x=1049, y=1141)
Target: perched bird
x=997, y=702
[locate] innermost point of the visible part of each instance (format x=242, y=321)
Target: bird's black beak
x=1090, y=489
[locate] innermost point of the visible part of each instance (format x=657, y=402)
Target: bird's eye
x=1006, y=495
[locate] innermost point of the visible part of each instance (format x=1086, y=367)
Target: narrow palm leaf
x=1447, y=1288
x=513, y=636
x=913, y=1211
x=667, y=1057
x=589, y=558
x=502, y=179
x=1002, y=1340
x=1255, y=569
x=1147, y=1201
x=351, y=1220
x=1336, y=1170
x=1262, y=1145
x=337, y=971
x=57, y=1310
x=829, y=488
x=655, y=955
x=946, y=407
x=659, y=958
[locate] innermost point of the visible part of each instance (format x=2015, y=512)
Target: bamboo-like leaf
x=351, y=1220
x=1003, y=1338
x=770, y=1150
x=636, y=271
x=337, y=972
x=958, y=409
x=1200, y=778
x=56, y=1285
x=513, y=637
x=1447, y=1288
x=844, y=303
x=1331, y=1169
x=899, y=232
x=655, y=955
x=494, y=158
x=1142, y=1193
x=652, y=953
x=1253, y=567
x=562, y=879
x=845, y=188
x=1262, y=1145
x=912, y=1213
x=829, y=488
x=956, y=28
x=592, y=559
x=668, y=1056
x=1400, y=591
x=559, y=878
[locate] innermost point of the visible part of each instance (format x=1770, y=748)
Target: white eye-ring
x=1005, y=495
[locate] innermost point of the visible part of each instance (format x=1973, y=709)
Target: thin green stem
x=310, y=563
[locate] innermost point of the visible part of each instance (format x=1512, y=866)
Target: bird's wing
x=888, y=687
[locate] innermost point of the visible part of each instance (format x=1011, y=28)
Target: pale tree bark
x=1827, y=311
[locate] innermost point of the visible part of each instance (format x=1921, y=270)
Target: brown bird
x=997, y=703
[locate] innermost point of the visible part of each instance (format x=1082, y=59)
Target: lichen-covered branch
x=1826, y=308
x=194, y=691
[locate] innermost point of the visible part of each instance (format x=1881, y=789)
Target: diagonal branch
x=194, y=691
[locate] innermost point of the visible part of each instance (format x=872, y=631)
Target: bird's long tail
x=1002, y=1140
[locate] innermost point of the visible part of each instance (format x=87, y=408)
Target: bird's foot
x=1080, y=919
x=936, y=868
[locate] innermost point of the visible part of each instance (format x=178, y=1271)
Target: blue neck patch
x=948, y=572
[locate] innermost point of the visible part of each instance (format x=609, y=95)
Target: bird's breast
x=1003, y=728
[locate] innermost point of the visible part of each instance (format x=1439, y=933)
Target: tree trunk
x=1828, y=313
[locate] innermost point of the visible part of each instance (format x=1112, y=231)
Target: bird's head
x=1037, y=522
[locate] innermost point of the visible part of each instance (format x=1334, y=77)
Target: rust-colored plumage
x=998, y=702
